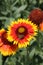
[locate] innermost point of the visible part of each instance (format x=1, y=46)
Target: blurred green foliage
x=11, y=10
x=14, y=9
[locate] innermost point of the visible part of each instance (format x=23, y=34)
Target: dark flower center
x=21, y=32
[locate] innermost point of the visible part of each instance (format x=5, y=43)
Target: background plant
x=11, y=10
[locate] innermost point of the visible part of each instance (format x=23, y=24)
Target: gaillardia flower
x=6, y=47
x=36, y=16
x=21, y=32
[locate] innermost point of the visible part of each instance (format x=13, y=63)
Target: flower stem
x=4, y=59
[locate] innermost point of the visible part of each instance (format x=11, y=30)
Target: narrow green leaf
x=32, y=53
x=4, y=13
x=14, y=3
x=3, y=18
x=21, y=8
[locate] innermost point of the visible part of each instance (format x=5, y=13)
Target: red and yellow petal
x=6, y=47
x=2, y=32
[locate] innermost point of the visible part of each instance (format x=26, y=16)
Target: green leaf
x=16, y=15
x=41, y=54
x=41, y=63
x=4, y=13
x=31, y=54
x=14, y=8
x=14, y=3
x=11, y=60
x=23, y=52
x=7, y=22
x=40, y=1
x=32, y=41
x=21, y=8
x=3, y=18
